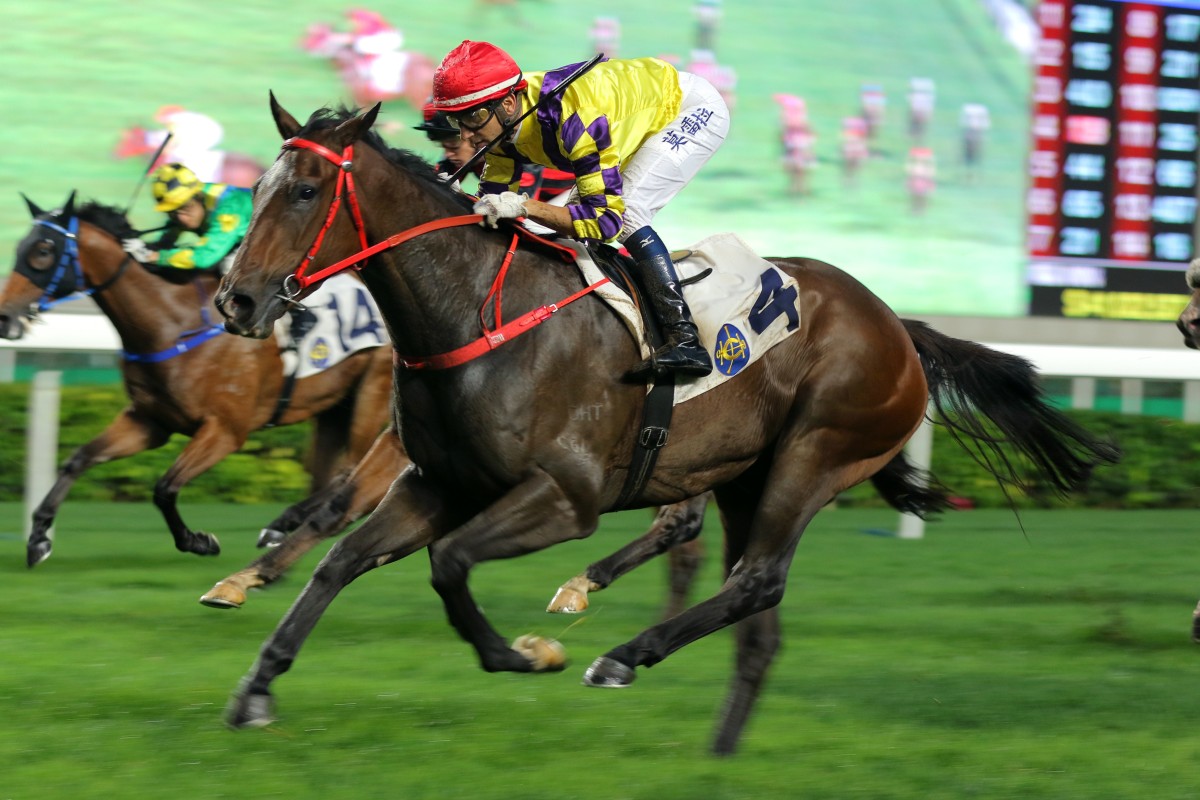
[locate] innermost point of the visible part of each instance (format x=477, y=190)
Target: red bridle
x=298, y=281
x=492, y=337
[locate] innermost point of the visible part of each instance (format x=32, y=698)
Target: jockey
x=540, y=183
x=633, y=132
x=217, y=214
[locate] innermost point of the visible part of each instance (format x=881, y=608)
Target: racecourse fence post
x=41, y=443
x=920, y=452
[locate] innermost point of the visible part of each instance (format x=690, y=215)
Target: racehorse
x=1189, y=325
x=182, y=374
x=502, y=467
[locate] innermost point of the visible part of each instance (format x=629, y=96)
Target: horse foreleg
x=358, y=495
x=530, y=517
x=207, y=447
x=125, y=436
x=673, y=526
x=407, y=520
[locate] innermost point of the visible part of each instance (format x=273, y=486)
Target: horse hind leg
x=674, y=527
x=780, y=500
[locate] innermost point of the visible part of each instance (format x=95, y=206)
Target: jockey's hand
x=495, y=207
x=140, y=250
x=445, y=177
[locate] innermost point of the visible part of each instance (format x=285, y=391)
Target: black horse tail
x=988, y=399
x=910, y=490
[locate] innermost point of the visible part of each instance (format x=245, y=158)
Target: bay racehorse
x=182, y=374
x=1189, y=325
x=501, y=465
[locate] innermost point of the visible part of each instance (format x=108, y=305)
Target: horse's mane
x=107, y=218
x=413, y=164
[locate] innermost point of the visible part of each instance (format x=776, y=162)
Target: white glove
x=139, y=250
x=495, y=207
x=444, y=177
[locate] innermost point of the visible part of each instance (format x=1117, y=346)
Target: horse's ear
x=368, y=119
x=68, y=210
x=285, y=122
x=34, y=211
x=353, y=129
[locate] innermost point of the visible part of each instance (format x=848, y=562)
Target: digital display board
x=1112, y=194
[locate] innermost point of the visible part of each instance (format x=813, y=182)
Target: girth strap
x=656, y=427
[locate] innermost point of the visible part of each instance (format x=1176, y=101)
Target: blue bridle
x=56, y=293
x=68, y=260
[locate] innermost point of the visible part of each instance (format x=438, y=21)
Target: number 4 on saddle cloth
x=743, y=307
x=337, y=320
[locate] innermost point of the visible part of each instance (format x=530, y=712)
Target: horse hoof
x=608, y=673
x=37, y=552
x=568, y=601
x=203, y=544
x=250, y=711
x=269, y=537
x=544, y=655
x=223, y=595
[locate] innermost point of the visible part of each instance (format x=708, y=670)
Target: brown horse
x=501, y=465
x=1189, y=325
x=181, y=372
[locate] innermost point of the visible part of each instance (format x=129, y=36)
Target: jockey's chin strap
x=55, y=292
x=298, y=281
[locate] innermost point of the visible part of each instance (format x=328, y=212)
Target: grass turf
x=975, y=663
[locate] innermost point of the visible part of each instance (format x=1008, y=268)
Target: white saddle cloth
x=743, y=308
x=347, y=321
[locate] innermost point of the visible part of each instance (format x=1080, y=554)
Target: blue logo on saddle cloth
x=319, y=353
x=732, y=350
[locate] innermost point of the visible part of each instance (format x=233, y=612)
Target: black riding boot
x=682, y=352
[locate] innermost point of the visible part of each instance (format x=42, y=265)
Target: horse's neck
x=148, y=312
x=438, y=288
x=436, y=284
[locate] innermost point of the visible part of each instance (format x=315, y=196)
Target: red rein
x=491, y=339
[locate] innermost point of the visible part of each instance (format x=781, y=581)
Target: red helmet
x=472, y=74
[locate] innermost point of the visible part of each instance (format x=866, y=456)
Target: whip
x=145, y=174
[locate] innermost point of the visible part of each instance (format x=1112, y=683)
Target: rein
x=188, y=340
x=298, y=281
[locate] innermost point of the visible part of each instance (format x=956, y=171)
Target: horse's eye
x=41, y=255
x=306, y=193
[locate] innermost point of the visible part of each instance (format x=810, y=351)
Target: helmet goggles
x=472, y=119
